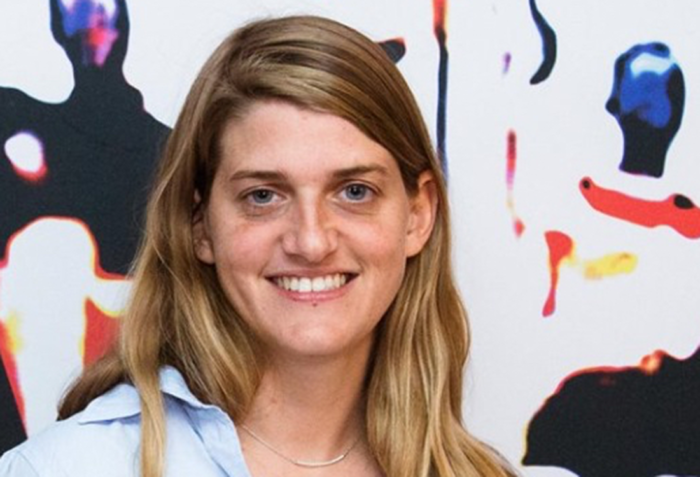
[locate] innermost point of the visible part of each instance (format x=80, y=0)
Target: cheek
x=240, y=253
x=383, y=245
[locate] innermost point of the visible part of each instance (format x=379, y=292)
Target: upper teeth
x=317, y=284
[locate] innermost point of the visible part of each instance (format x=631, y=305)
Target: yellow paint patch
x=12, y=326
x=610, y=265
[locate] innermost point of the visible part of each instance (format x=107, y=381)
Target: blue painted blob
x=647, y=99
x=81, y=16
x=91, y=27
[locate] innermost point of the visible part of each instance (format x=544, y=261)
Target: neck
x=311, y=408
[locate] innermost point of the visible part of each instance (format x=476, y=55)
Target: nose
x=312, y=234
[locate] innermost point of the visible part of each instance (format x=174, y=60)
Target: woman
x=294, y=279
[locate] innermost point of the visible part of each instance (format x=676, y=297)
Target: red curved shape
x=100, y=333
x=560, y=246
x=676, y=211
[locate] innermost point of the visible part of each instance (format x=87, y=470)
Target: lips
x=317, y=284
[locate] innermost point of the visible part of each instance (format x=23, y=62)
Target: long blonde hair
x=178, y=314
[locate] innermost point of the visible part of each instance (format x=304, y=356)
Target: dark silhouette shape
x=395, y=48
x=647, y=100
x=630, y=422
x=100, y=147
x=12, y=431
x=549, y=45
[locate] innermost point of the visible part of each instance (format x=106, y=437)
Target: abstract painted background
x=566, y=129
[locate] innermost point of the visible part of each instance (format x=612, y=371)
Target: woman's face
x=309, y=227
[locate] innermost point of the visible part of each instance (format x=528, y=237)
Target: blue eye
x=357, y=192
x=261, y=196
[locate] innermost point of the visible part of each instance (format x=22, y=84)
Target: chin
x=325, y=346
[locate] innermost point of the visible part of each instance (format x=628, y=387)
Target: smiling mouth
x=317, y=284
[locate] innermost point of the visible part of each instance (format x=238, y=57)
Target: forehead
x=280, y=135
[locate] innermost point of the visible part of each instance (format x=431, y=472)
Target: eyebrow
x=259, y=175
x=360, y=171
x=277, y=176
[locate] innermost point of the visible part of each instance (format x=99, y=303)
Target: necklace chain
x=301, y=462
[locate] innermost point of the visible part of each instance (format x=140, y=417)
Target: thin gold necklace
x=301, y=462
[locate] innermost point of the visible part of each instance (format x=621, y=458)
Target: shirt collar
x=123, y=401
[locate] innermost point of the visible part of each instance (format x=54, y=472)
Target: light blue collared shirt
x=103, y=440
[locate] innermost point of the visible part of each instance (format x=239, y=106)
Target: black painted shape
x=682, y=202
x=11, y=428
x=443, y=66
x=549, y=45
x=649, y=109
x=623, y=423
x=395, y=48
x=100, y=148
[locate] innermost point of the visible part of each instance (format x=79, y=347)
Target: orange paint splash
x=651, y=363
x=440, y=18
x=511, y=158
x=560, y=247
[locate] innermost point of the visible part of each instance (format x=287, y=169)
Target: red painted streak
x=439, y=16
x=98, y=36
x=511, y=157
x=10, y=364
x=100, y=332
x=647, y=213
x=560, y=247
x=511, y=160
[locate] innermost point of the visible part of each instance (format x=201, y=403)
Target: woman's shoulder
x=104, y=438
x=100, y=440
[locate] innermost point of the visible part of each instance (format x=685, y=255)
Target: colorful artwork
x=76, y=172
x=676, y=211
x=63, y=334
x=549, y=45
x=97, y=148
x=647, y=100
x=585, y=109
x=619, y=420
x=511, y=158
x=440, y=32
x=562, y=251
x=638, y=421
x=561, y=248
